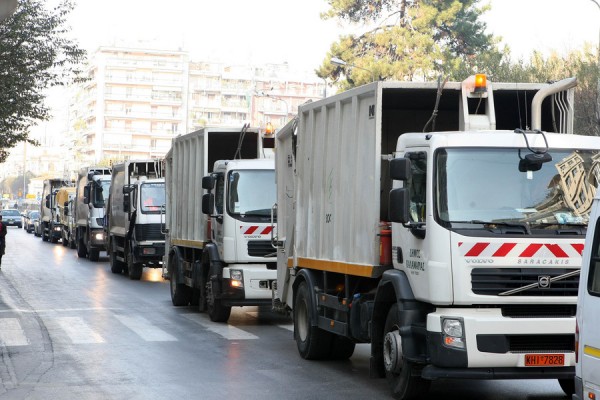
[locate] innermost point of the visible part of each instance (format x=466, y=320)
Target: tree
x=35, y=54
x=408, y=39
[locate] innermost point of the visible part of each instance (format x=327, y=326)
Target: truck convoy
x=135, y=213
x=430, y=222
x=218, y=250
x=50, y=218
x=587, y=369
x=93, y=184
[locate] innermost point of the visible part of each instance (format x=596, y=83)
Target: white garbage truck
x=135, y=215
x=50, y=209
x=218, y=244
x=93, y=186
x=430, y=221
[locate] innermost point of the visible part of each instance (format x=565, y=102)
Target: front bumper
x=496, y=346
x=256, y=285
x=149, y=253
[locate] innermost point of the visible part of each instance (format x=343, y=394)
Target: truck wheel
x=116, y=266
x=180, y=293
x=313, y=343
x=403, y=376
x=44, y=235
x=81, y=249
x=72, y=244
x=94, y=255
x=342, y=348
x=568, y=386
x=64, y=241
x=216, y=310
x=134, y=269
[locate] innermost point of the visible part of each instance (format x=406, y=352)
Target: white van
x=587, y=370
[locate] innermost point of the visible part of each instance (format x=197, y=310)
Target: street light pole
x=598, y=71
x=342, y=63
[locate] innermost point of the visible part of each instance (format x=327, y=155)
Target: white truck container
x=454, y=251
x=50, y=218
x=135, y=214
x=587, y=369
x=218, y=245
x=93, y=187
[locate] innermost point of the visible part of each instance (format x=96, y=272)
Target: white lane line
x=145, y=329
x=78, y=331
x=11, y=333
x=225, y=330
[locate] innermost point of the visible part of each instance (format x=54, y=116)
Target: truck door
x=217, y=223
x=589, y=316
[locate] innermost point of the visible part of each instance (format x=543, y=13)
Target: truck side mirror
x=208, y=203
x=86, y=195
x=208, y=182
x=126, y=201
x=400, y=169
x=399, y=205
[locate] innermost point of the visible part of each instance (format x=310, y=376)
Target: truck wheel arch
x=394, y=288
x=312, y=281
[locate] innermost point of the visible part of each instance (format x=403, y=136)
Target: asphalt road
x=70, y=329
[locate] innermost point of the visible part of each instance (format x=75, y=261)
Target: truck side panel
x=338, y=161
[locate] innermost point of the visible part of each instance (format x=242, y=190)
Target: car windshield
x=34, y=214
x=477, y=186
x=11, y=213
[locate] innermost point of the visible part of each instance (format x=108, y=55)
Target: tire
x=403, y=376
x=313, y=343
x=215, y=308
x=81, y=249
x=44, y=236
x=568, y=386
x=72, y=244
x=65, y=241
x=134, y=269
x=116, y=266
x=94, y=255
x=181, y=295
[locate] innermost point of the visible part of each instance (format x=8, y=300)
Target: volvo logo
x=544, y=282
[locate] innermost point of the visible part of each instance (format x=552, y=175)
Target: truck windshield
x=251, y=193
x=483, y=186
x=152, y=197
x=100, y=193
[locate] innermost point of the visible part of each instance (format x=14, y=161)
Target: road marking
x=11, y=333
x=145, y=329
x=78, y=331
x=225, y=330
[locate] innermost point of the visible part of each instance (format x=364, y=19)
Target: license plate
x=539, y=360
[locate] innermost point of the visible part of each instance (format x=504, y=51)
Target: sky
x=292, y=31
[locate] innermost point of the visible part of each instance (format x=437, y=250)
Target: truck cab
x=240, y=197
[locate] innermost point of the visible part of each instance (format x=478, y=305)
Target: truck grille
x=539, y=310
x=149, y=232
x=493, y=281
x=502, y=344
x=261, y=248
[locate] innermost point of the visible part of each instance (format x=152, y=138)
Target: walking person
x=2, y=239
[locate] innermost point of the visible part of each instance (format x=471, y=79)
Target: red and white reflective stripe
x=256, y=230
x=524, y=250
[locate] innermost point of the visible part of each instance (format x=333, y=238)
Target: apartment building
x=135, y=101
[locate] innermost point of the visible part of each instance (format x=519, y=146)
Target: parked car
x=11, y=217
x=37, y=226
x=30, y=219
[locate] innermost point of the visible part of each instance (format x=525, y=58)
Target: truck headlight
x=99, y=236
x=453, y=332
x=237, y=278
x=57, y=228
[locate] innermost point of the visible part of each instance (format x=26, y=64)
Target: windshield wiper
x=490, y=225
x=258, y=213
